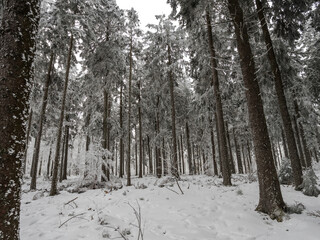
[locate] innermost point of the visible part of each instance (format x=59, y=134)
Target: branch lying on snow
x=172, y=190
x=70, y=219
x=72, y=201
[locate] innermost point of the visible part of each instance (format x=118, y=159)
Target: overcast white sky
x=146, y=9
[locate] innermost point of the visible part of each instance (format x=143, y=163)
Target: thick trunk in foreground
x=105, y=159
x=270, y=201
x=17, y=34
x=54, y=190
x=33, y=184
x=220, y=121
x=121, y=160
x=286, y=121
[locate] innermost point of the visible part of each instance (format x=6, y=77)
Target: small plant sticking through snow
x=285, y=172
x=309, y=184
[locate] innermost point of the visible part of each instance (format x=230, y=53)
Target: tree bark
x=219, y=111
x=129, y=116
x=270, y=200
x=307, y=156
x=288, y=130
x=121, y=170
x=33, y=184
x=214, y=163
x=150, y=156
x=54, y=190
x=140, y=130
x=174, y=164
x=284, y=143
x=49, y=162
x=238, y=154
x=27, y=142
x=66, y=151
x=232, y=167
x=18, y=29
x=105, y=158
x=86, y=164
x=191, y=168
x=182, y=154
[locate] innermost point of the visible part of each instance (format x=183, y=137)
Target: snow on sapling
x=309, y=184
x=285, y=172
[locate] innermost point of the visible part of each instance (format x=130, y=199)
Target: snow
x=206, y=210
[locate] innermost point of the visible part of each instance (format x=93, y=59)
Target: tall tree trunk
x=164, y=159
x=33, y=184
x=232, y=167
x=292, y=147
x=158, y=143
x=54, y=190
x=298, y=142
x=129, y=117
x=49, y=162
x=25, y=157
x=66, y=151
x=121, y=160
x=174, y=163
x=214, y=163
x=62, y=157
x=270, y=201
x=18, y=29
x=105, y=158
x=182, y=154
x=284, y=143
x=220, y=121
x=307, y=156
x=140, y=130
x=191, y=168
x=86, y=164
x=238, y=154
x=150, y=156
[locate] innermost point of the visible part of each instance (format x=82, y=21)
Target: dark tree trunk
x=307, y=156
x=284, y=143
x=66, y=151
x=292, y=147
x=238, y=154
x=62, y=157
x=105, y=158
x=54, y=190
x=244, y=159
x=270, y=201
x=150, y=156
x=86, y=164
x=121, y=160
x=129, y=116
x=18, y=29
x=136, y=155
x=298, y=142
x=174, y=163
x=49, y=162
x=220, y=121
x=33, y=184
x=158, y=143
x=164, y=159
x=179, y=156
x=215, y=168
x=232, y=167
x=140, y=130
x=27, y=142
x=182, y=154
x=191, y=168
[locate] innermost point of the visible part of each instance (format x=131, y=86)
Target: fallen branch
x=172, y=190
x=70, y=219
x=71, y=201
x=179, y=186
x=117, y=229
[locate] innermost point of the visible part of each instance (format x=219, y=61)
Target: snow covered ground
x=206, y=210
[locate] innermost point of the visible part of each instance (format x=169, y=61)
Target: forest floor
x=205, y=210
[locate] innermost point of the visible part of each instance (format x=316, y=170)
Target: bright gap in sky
x=146, y=9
